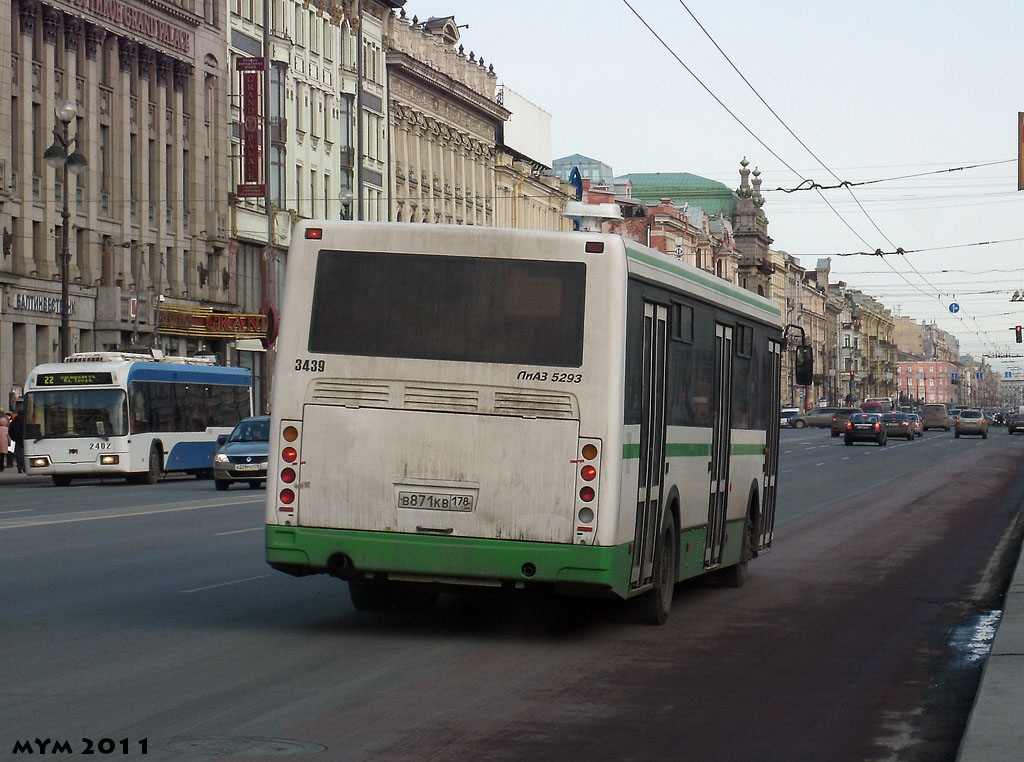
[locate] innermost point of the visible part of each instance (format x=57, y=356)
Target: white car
x=786, y=414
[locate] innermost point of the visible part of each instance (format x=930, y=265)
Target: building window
x=328, y=37
x=277, y=176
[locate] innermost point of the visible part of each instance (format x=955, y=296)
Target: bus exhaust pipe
x=339, y=565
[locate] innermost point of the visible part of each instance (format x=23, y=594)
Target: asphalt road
x=146, y=615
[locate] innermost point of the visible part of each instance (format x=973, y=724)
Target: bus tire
x=156, y=465
x=735, y=576
x=61, y=480
x=657, y=602
x=370, y=596
x=221, y=484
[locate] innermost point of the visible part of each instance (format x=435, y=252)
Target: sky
x=869, y=91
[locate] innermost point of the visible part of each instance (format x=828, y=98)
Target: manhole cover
x=228, y=746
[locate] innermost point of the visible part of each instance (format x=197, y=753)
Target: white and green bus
x=467, y=406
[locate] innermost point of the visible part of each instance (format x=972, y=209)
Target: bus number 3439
x=313, y=366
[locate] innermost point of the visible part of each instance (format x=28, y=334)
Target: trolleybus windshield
x=77, y=412
x=436, y=307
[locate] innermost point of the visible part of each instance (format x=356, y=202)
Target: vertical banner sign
x=252, y=127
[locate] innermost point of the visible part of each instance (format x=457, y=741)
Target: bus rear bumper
x=352, y=554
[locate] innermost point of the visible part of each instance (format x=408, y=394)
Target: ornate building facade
x=444, y=118
x=147, y=215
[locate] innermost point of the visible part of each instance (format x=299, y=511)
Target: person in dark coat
x=16, y=430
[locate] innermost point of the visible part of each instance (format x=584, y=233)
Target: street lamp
x=57, y=156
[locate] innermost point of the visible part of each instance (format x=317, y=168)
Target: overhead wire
x=800, y=141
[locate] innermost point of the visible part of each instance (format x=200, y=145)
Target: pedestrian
x=5, y=439
x=17, y=433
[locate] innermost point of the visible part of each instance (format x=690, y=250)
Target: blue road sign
x=954, y=308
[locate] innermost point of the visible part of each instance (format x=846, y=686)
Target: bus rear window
x=433, y=307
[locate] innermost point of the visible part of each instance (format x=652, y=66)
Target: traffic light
x=1019, y=337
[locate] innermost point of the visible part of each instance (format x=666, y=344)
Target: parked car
x=898, y=425
x=1014, y=422
x=971, y=421
x=786, y=414
x=915, y=419
x=864, y=427
x=820, y=417
x=935, y=416
x=839, y=419
x=242, y=456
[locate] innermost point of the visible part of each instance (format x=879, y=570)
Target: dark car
x=865, y=427
x=1014, y=422
x=243, y=455
x=839, y=419
x=898, y=425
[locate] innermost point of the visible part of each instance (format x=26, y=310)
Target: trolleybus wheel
x=657, y=602
x=61, y=480
x=152, y=476
x=370, y=596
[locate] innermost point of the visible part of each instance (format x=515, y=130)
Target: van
x=885, y=403
x=935, y=416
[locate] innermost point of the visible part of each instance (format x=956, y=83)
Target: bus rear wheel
x=657, y=602
x=370, y=596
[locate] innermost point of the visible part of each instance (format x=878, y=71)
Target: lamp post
x=57, y=156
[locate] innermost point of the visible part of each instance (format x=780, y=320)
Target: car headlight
x=220, y=458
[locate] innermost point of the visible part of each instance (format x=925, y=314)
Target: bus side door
x=652, y=443
x=721, y=446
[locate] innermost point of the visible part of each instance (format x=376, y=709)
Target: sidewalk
x=995, y=729
x=11, y=476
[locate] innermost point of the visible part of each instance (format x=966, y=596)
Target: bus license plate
x=436, y=501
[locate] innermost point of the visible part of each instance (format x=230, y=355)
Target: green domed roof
x=682, y=187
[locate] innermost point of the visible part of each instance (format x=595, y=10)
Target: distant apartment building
x=923, y=381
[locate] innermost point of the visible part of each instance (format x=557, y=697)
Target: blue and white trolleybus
x=133, y=415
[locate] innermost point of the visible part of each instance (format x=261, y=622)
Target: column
x=143, y=162
x=24, y=162
x=89, y=266
x=121, y=190
x=72, y=31
x=47, y=259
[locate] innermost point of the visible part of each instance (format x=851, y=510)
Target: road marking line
x=239, y=531
x=20, y=510
x=819, y=464
x=847, y=457
x=223, y=584
x=102, y=514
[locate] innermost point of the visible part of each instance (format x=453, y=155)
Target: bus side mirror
x=804, y=356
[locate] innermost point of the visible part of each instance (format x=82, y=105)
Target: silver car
x=971, y=421
x=242, y=456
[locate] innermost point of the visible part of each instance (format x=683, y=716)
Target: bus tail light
x=588, y=473
x=288, y=450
